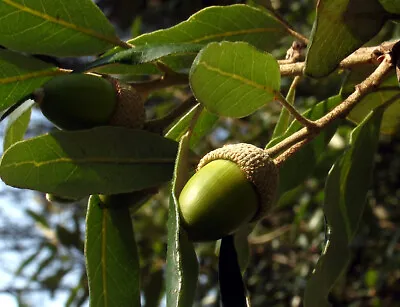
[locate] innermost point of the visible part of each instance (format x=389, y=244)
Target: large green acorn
x=233, y=185
x=83, y=101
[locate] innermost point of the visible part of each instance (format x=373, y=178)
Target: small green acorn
x=83, y=101
x=233, y=185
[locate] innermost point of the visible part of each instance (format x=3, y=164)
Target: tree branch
x=362, y=56
x=300, y=118
x=295, y=142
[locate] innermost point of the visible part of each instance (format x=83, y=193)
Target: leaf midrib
x=110, y=39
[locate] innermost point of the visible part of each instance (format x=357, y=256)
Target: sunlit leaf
x=221, y=23
x=20, y=75
x=55, y=27
x=217, y=23
x=204, y=124
x=106, y=160
x=182, y=266
x=17, y=124
x=234, y=79
x=112, y=261
x=345, y=196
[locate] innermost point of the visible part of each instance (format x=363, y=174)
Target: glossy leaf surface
x=234, y=79
x=55, y=27
x=345, y=196
x=182, y=266
x=216, y=23
x=112, y=260
x=221, y=23
x=106, y=160
x=341, y=27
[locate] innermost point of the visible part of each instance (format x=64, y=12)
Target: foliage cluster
x=223, y=68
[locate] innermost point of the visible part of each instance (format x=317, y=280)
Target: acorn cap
x=129, y=111
x=258, y=167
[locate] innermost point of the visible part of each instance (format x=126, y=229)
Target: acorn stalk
x=233, y=185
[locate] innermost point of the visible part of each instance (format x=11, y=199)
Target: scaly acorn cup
x=81, y=101
x=233, y=185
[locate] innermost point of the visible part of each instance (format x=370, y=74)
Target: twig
x=305, y=135
x=300, y=118
x=284, y=116
x=165, y=81
x=268, y=237
x=362, y=56
x=287, y=26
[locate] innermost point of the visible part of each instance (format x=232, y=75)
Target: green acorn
x=82, y=101
x=233, y=185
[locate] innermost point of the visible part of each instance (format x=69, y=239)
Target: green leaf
x=45, y=263
x=20, y=75
x=234, y=79
x=123, y=69
x=29, y=260
x=392, y=6
x=386, y=91
x=284, y=117
x=112, y=261
x=341, y=27
x=55, y=27
x=217, y=23
x=105, y=160
x=204, y=124
x=77, y=292
x=182, y=266
x=345, y=197
x=52, y=282
x=40, y=219
x=69, y=238
x=144, y=54
x=304, y=160
x=221, y=23
x=17, y=124
x=242, y=246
